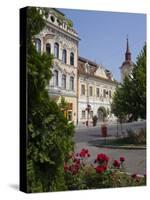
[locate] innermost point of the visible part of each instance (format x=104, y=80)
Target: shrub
x=49, y=141
x=136, y=137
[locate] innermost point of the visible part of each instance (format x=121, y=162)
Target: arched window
x=48, y=48
x=64, y=56
x=56, y=50
x=38, y=45
x=64, y=81
x=71, y=58
x=55, y=78
x=71, y=83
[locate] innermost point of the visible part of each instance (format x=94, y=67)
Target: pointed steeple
x=127, y=54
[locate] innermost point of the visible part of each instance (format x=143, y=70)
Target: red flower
x=83, y=153
x=134, y=175
x=101, y=169
x=74, y=168
x=66, y=167
x=102, y=158
x=116, y=163
x=122, y=159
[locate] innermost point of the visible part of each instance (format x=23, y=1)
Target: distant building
x=127, y=65
x=96, y=87
x=60, y=39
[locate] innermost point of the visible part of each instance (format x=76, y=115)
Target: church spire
x=127, y=54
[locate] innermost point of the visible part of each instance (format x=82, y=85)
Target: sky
x=103, y=36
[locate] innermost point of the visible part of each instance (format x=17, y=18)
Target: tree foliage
x=129, y=100
x=49, y=137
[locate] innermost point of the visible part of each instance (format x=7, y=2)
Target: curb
x=121, y=147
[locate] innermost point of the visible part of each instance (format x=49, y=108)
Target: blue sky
x=103, y=36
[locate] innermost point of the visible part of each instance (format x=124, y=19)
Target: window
x=104, y=93
x=91, y=114
x=97, y=92
x=64, y=81
x=109, y=93
x=38, y=45
x=83, y=114
x=48, y=48
x=70, y=115
x=52, y=18
x=71, y=58
x=71, y=83
x=91, y=91
x=56, y=50
x=55, y=78
x=64, y=56
x=82, y=89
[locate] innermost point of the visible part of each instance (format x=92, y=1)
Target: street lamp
x=88, y=111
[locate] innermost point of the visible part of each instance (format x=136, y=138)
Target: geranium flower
x=101, y=169
x=134, y=175
x=102, y=158
x=116, y=163
x=66, y=167
x=84, y=153
x=122, y=159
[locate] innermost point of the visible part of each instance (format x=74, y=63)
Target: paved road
x=85, y=134
x=135, y=159
x=88, y=137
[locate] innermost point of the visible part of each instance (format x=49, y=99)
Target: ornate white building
x=60, y=39
x=127, y=65
x=86, y=86
x=96, y=87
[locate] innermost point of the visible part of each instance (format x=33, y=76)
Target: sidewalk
x=97, y=125
x=83, y=126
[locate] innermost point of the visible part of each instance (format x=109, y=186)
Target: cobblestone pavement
x=135, y=158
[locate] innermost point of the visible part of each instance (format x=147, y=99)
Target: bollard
x=104, y=130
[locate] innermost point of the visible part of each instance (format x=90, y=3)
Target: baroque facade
x=96, y=87
x=61, y=40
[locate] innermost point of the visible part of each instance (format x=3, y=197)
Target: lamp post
x=88, y=108
x=88, y=111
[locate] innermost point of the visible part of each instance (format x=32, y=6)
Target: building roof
x=56, y=10
x=93, y=67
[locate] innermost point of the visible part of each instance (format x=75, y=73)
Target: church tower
x=127, y=65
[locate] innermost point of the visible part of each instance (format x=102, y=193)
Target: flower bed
x=100, y=174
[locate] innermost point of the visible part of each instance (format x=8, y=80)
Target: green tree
x=49, y=137
x=129, y=100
